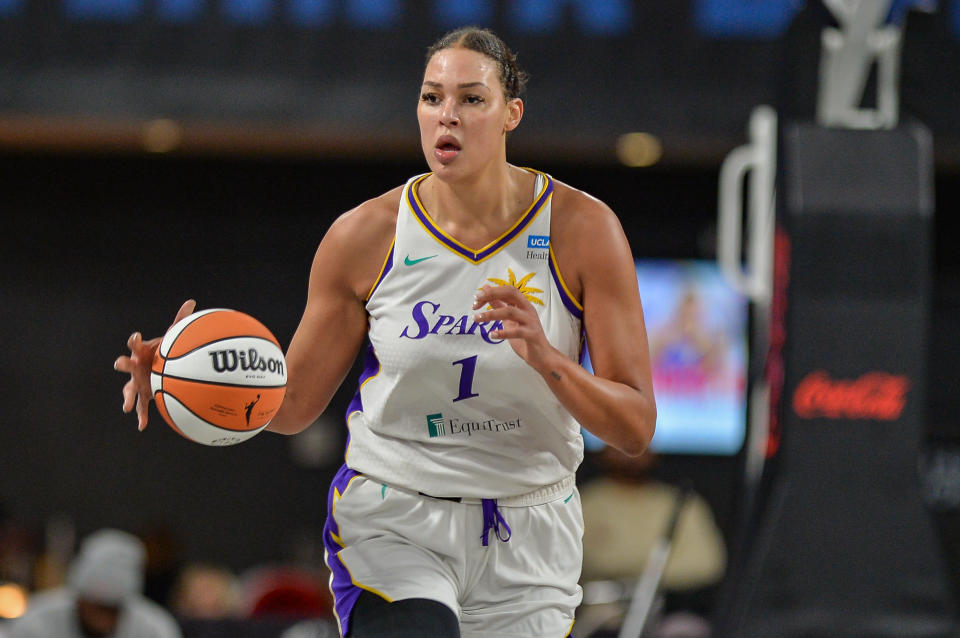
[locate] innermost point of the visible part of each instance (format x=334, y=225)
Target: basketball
x=218, y=377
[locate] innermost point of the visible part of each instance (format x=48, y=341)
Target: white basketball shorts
x=505, y=571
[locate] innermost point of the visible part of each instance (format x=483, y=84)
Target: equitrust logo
x=435, y=425
x=455, y=426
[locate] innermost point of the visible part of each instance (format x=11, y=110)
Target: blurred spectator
x=626, y=510
x=102, y=598
x=205, y=592
x=285, y=592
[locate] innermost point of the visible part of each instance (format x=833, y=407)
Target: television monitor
x=697, y=331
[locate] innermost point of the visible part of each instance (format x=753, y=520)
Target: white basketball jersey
x=443, y=407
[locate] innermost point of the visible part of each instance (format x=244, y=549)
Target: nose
x=449, y=114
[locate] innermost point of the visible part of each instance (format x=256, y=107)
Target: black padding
x=373, y=617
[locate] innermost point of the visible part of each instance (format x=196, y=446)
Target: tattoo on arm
x=555, y=375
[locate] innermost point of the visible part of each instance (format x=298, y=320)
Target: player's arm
x=332, y=328
x=616, y=403
x=334, y=322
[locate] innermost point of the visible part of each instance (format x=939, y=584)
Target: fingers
x=509, y=332
x=499, y=295
x=514, y=317
x=503, y=313
x=124, y=364
x=129, y=395
x=135, y=395
x=503, y=303
x=186, y=309
x=143, y=406
x=136, y=391
x=133, y=341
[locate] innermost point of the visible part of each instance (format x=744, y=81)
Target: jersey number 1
x=466, y=377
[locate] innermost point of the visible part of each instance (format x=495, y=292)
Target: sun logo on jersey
x=527, y=291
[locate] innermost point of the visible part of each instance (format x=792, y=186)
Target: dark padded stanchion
x=842, y=544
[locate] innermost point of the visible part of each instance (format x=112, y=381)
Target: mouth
x=446, y=149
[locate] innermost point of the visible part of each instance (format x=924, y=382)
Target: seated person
x=625, y=511
x=102, y=598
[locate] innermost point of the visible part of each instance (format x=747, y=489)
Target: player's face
x=463, y=113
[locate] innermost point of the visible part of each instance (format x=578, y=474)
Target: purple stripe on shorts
x=345, y=593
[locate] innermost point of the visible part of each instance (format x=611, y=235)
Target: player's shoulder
x=586, y=236
x=576, y=213
x=355, y=246
x=374, y=219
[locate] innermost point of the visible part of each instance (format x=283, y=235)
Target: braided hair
x=484, y=41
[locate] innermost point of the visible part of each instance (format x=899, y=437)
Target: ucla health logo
x=538, y=246
x=538, y=241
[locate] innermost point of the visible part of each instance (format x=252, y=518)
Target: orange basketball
x=218, y=377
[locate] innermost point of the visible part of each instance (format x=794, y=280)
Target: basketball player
x=456, y=513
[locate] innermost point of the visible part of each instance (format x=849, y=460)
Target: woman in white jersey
x=456, y=513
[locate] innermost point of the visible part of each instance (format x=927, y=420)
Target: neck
x=479, y=209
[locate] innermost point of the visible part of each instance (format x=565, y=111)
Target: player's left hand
x=521, y=323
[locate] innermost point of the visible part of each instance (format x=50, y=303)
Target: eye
x=430, y=98
x=473, y=99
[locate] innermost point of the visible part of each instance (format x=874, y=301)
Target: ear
x=514, y=114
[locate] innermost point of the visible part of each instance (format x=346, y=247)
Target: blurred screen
x=697, y=331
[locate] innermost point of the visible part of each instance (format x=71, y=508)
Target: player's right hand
x=136, y=391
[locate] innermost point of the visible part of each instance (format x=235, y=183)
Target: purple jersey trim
x=387, y=265
x=492, y=248
x=371, y=366
x=582, y=355
x=345, y=593
x=568, y=301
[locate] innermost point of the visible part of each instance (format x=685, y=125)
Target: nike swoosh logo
x=410, y=262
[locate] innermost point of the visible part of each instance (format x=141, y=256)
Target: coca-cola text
x=875, y=395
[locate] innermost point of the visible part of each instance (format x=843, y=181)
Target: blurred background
x=157, y=150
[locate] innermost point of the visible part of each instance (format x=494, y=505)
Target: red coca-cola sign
x=875, y=395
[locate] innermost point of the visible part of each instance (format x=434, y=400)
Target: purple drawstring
x=492, y=520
